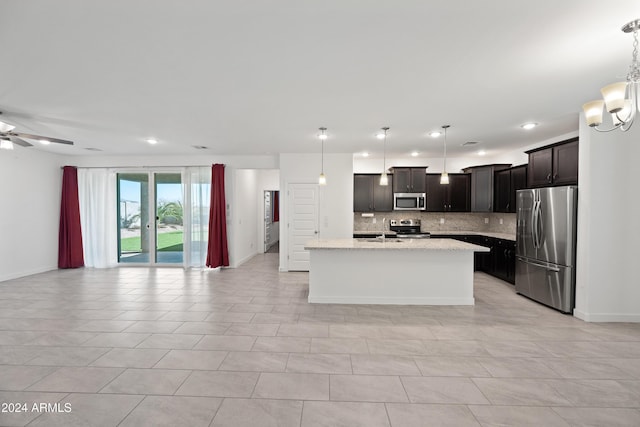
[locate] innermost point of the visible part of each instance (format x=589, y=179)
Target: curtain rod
x=136, y=167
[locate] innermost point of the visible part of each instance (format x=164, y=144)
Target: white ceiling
x=256, y=77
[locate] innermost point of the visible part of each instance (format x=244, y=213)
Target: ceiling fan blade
x=38, y=137
x=20, y=142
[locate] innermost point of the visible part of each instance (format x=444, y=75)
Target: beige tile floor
x=242, y=347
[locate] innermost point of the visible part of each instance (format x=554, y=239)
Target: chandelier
x=621, y=98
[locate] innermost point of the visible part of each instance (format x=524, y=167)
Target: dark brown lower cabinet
x=499, y=262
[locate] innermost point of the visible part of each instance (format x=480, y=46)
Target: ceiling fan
x=8, y=138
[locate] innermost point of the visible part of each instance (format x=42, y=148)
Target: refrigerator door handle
x=534, y=225
x=540, y=225
x=539, y=264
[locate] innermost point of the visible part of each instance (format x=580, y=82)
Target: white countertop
x=395, y=244
x=505, y=236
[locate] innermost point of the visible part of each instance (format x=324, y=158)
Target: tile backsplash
x=431, y=221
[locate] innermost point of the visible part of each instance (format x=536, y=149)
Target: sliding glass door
x=169, y=218
x=150, y=212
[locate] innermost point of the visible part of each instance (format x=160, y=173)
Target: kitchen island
x=391, y=271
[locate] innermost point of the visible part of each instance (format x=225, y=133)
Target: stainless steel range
x=408, y=228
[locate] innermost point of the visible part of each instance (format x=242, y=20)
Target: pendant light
x=444, y=177
x=322, y=179
x=384, y=179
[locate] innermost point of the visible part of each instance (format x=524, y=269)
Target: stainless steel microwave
x=409, y=201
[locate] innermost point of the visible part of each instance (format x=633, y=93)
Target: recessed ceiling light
x=152, y=141
x=528, y=126
x=44, y=141
x=481, y=153
x=365, y=154
x=435, y=134
x=414, y=154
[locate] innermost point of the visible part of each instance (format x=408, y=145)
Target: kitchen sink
x=379, y=240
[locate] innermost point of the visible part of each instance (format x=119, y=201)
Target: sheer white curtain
x=197, y=196
x=98, y=217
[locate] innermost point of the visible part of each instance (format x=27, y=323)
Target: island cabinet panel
x=555, y=164
x=482, y=186
x=370, y=196
x=506, y=183
x=395, y=271
x=452, y=197
x=409, y=180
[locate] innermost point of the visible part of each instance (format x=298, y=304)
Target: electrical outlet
x=501, y=221
x=486, y=220
x=373, y=221
x=441, y=220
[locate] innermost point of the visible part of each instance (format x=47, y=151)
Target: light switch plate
x=441, y=220
x=486, y=220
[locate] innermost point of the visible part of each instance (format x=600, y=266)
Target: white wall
x=433, y=164
x=203, y=159
x=454, y=164
x=335, y=199
x=243, y=217
x=608, y=232
x=30, y=190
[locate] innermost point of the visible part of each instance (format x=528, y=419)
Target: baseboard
x=243, y=260
x=607, y=317
x=20, y=274
x=390, y=300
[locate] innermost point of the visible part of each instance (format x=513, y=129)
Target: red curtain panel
x=276, y=206
x=70, y=234
x=217, y=251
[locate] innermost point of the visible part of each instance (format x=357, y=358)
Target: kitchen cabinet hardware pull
x=548, y=177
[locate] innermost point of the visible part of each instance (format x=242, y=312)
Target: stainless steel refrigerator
x=546, y=245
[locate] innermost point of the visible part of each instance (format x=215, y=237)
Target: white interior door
x=302, y=223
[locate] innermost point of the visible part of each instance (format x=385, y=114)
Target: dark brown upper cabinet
x=452, y=197
x=482, y=186
x=506, y=183
x=555, y=164
x=409, y=180
x=370, y=196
